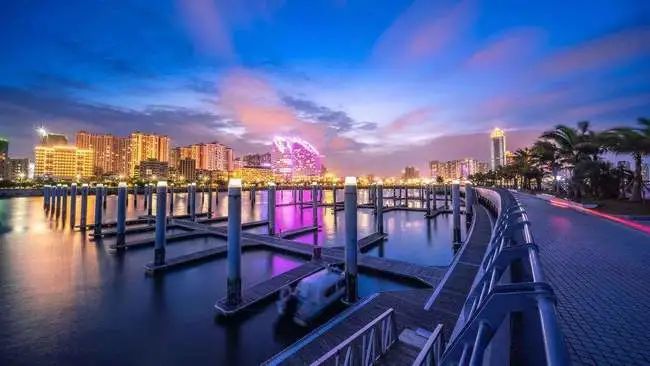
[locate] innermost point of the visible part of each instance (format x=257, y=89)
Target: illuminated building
x=254, y=174
x=456, y=169
x=111, y=152
x=187, y=169
x=145, y=147
x=257, y=160
x=153, y=169
x=208, y=156
x=295, y=159
x=497, y=148
x=17, y=169
x=4, y=157
x=410, y=173
x=53, y=139
x=63, y=162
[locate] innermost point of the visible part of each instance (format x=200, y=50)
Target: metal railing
x=365, y=346
x=494, y=296
x=432, y=349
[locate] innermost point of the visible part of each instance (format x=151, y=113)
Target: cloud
x=508, y=50
x=339, y=120
x=207, y=27
x=425, y=29
x=414, y=118
x=601, y=53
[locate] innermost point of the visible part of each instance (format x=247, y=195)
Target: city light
x=294, y=158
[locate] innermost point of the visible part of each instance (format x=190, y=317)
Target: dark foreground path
x=600, y=271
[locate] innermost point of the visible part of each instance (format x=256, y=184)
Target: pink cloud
x=206, y=25
x=422, y=31
x=511, y=47
x=604, y=52
x=410, y=119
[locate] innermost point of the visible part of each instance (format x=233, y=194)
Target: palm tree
x=634, y=141
x=547, y=158
x=576, y=147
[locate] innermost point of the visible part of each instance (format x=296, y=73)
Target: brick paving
x=600, y=272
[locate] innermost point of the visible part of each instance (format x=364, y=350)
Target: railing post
x=271, y=208
x=350, y=205
x=99, y=191
x=161, y=223
x=234, y=242
x=121, y=214
x=84, y=207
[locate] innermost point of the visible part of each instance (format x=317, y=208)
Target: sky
x=374, y=85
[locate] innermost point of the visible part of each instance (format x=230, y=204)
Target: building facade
x=497, y=148
x=257, y=160
x=456, y=169
x=111, y=152
x=63, y=162
x=143, y=146
x=17, y=169
x=410, y=172
x=153, y=170
x=4, y=158
x=295, y=159
x=187, y=169
x=53, y=139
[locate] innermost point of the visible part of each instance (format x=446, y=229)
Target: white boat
x=312, y=295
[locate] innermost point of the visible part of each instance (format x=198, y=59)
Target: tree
x=633, y=141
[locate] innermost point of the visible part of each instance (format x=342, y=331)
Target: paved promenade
x=600, y=271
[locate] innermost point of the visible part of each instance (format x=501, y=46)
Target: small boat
x=312, y=295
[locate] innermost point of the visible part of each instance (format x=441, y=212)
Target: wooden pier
x=290, y=234
x=268, y=288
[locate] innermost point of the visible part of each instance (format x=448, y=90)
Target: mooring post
x=455, y=201
x=334, y=196
x=210, y=201
x=84, y=207
x=314, y=203
x=350, y=205
x=73, y=204
x=52, y=204
x=46, y=195
x=234, y=242
x=379, y=205
x=428, y=199
x=189, y=197
x=104, y=197
x=99, y=191
x=145, y=194
x=150, y=199
x=271, y=208
x=64, y=193
x=58, y=198
x=161, y=223
x=253, y=195
x=469, y=201
x=446, y=192
x=193, y=201
x=135, y=195
x=171, y=200
x=121, y=214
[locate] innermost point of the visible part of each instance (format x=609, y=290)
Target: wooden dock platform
x=290, y=234
x=187, y=259
x=268, y=288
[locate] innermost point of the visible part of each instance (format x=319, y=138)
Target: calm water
x=64, y=298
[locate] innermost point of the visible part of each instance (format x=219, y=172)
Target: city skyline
x=410, y=78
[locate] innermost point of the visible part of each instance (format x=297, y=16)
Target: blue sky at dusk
x=374, y=85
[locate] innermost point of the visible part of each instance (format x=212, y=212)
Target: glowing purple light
x=295, y=158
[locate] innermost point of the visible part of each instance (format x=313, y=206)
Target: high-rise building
x=4, y=157
x=410, y=173
x=145, y=146
x=187, y=169
x=153, y=169
x=111, y=152
x=208, y=156
x=497, y=148
x=17, y=169
x=456, y=169
x=63, y=162
x=257, y=160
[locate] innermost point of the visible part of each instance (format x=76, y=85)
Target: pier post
x=444, y=187
x=427, y=190
x=189, y=197
x=46, y=196
x=64, y=193
x=58, y=199
x=135, y=195
x=73, y=204
x=193, y=201
x=145, y=194
x=314, y=203
x=406, y=196
x=150, y=199
x=379, y=205
x=234, y=242
x=84, y=207
x=171, y=200
x=469, y=201
x=99, y=191
x=210, y=201
x=350, y=205
x=334, y=198
x=104, y=197
x=121, y=213
x=253, y=195
x=455, y=202
x=161, y=223
x=216, y=195
x=271, y=208
x=52, y=204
